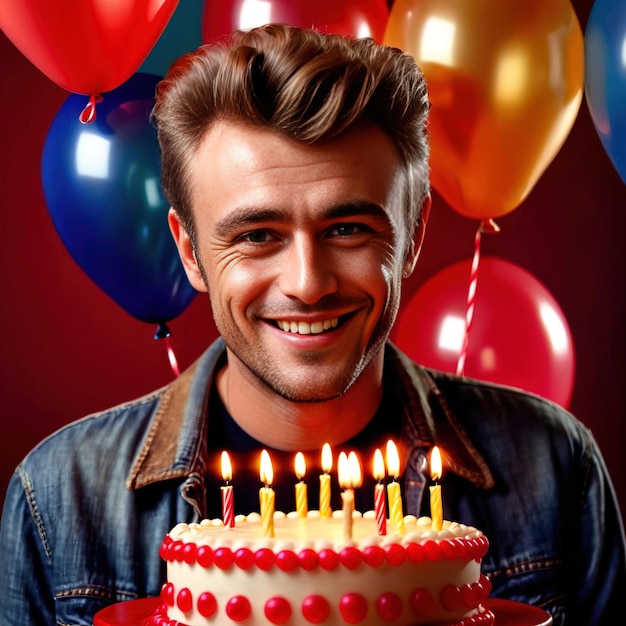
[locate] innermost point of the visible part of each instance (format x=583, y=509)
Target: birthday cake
x=308, y=572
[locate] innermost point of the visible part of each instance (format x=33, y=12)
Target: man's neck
x=285, y=425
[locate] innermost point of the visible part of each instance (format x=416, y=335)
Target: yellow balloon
x=506, y=80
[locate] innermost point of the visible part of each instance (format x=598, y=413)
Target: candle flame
x=349, y=470
x=267, y=471
x=393, y=459
x=343, y=471
x=327, y=458
x=379, y=465
x=227, y=468
x=300, y=465
x=435, y=463
x=356, y=476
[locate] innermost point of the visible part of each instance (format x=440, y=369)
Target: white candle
x=380, y=504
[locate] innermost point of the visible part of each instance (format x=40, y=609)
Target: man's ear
x=415, y=245
x=186, y=251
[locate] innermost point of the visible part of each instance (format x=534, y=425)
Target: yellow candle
x=394, y=495
x=302, y=506
x=327, y=465
x=436, y=505
x=266, y=495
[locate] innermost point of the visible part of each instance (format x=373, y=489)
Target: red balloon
x=366, y=18
x=86, y=46
x=518, y=335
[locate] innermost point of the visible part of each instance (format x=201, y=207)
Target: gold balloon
x=506, y=81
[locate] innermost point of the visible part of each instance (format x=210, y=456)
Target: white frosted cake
x=309, y=573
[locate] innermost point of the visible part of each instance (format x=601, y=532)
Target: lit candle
x=228, y=504
x=380, y=504
x=436, y=506
x=327, y=465
x=349, y=471
x=266, y=495
x=393, y=488
x=301, y=490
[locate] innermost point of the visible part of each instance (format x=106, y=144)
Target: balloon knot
x=162, y=331
x=489, y=227
x=88, y=114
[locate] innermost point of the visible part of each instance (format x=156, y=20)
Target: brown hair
x=305, y=84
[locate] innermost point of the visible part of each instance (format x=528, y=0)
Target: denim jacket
x=86, y=511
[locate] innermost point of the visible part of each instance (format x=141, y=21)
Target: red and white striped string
x=486, y=226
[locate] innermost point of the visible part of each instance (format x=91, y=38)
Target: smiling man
x=296, y=165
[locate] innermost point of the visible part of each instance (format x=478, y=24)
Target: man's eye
x=256, y=236
x=345, y=230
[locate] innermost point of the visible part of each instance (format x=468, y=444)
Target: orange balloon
x=506, y=81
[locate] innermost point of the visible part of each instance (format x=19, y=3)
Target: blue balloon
x=101, y=183
x=605, y=77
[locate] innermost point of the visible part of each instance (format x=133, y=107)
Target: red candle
x=228, y=499
x=380, y=502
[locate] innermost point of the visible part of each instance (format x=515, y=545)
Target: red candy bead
x=207, y=604
x=163, y=550
x=422, y=602
x=328, y=559
x=485, y=582
x=432, y=550
x=265, y=558
x=204, y=556
x=450, y=598
x=277, y=610
x=167, y=594
x=315, y=609
x=184, y=600
x=223, y=558
x=244, y=558
x=307, y=559
x=389, y=606
x=374, y=556
x=353, y=608
x=189, y=553
x=287, y=560
x=175, y=551
x=350, y=557
x=396, y=554
x=415, y=552
x=238, y=608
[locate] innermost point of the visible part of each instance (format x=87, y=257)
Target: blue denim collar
x=175, y=445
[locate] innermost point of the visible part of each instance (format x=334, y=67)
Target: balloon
x=182, y=34
x=102, y=188
x=519, y=335
x=605, y=79
x=366, y=18
x=85, y=46
x=506, y=83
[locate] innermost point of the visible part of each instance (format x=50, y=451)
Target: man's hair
x=304, y=84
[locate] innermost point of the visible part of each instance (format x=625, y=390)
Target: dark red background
x=67, y=349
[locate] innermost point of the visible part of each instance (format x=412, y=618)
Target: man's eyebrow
x=245, y=217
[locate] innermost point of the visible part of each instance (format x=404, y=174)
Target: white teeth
x=304, y=328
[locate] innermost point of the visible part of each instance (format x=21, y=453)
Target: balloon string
x=88, y=114
x=172, y=357
x=163, y=332
x=486, y=226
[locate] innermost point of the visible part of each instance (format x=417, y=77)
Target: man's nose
x=308, y=273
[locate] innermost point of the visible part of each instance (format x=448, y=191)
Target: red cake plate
x=137, y=612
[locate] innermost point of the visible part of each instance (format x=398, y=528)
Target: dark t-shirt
x=245, y=452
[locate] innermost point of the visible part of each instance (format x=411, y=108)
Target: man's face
x=301, y=249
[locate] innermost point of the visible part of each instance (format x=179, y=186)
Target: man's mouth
x=307, y=328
